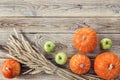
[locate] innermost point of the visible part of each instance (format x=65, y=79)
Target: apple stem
x=84, y=37
x=111, y=67
x=60, y=57
x=106, y=42
x=81, y=65
x=48, y=45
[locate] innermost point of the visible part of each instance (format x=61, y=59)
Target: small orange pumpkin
x=85, y=39
x=10, y=68
x=80, y=64
x=107, y=65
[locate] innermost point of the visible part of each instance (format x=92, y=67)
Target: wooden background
x=58, y=20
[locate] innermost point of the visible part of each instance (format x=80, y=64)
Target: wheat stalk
x=21, y=50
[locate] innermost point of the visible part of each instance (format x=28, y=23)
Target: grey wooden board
x=60, y=25
x=34, y=77
x=61, y=8
x=64, y=42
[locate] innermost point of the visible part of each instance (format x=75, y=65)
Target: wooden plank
x=34, y=77
x=59, y=25
x=60, y=8
x=64, y=42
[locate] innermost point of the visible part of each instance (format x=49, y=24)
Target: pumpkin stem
x=84, y=37
x=81, y=65
x=6, y=68
x=111, y=67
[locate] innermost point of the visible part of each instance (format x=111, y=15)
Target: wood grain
x=64, y=42
x=60, y=25
x=56, y=8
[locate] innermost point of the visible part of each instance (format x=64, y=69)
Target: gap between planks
x=60, y=16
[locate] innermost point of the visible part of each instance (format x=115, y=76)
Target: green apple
x=106, y=43
x=49, y=46
x=61, y=58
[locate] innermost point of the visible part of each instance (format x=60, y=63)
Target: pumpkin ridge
x=10, y=68
x=81, y=43
x=81, y=59
x=106, y=65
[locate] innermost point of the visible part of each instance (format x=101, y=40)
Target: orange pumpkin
x=10, y=68
x=80, y=64
x=107, y=65
x=85, y=39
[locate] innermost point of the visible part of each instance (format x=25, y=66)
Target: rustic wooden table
x=59, y=19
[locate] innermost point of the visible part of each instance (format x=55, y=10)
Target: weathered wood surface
x=61, y=8
x=60, y=25
x=64, y=42
x=57, y=20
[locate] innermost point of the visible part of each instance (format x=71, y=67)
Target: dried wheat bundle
x=21, y=50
